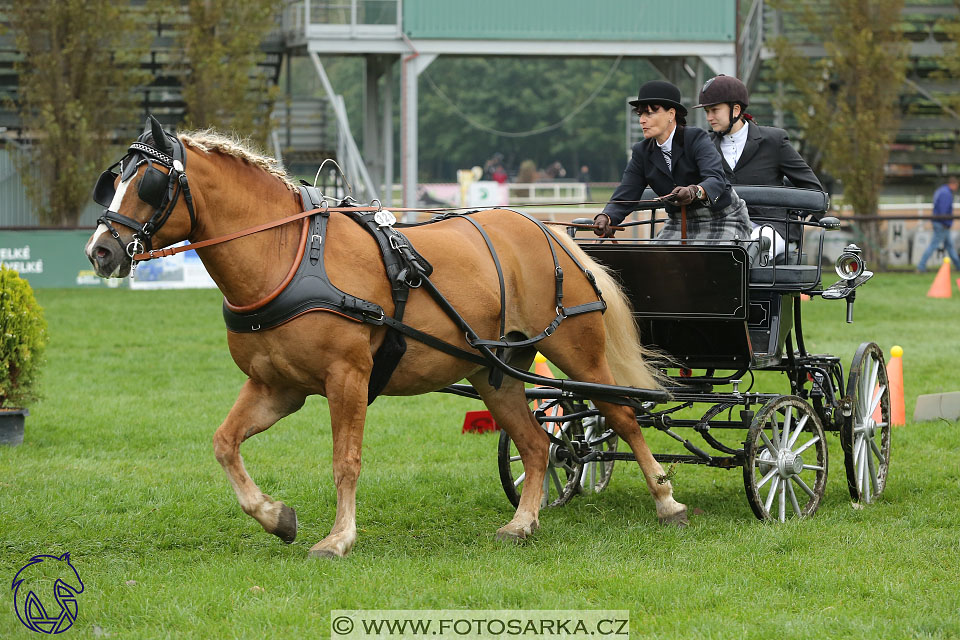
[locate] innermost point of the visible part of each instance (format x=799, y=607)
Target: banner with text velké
x=54, y=258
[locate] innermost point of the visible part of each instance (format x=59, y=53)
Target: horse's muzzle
x=107, y=259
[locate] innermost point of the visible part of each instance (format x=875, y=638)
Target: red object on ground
x=479, y=422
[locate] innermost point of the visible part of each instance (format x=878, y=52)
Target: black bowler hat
x=662, y=93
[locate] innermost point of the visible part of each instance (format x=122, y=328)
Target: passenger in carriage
x=679, y=162
x=753, y=154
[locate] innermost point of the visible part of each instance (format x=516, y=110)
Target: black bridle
x=158, y=189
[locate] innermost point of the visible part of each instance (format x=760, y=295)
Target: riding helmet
x=720, y=89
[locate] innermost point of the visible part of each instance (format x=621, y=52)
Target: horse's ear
x=65, y=557
x=159, y=137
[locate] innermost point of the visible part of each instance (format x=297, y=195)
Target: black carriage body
x=697, y=303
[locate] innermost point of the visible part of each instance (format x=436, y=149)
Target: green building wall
x=631, y=20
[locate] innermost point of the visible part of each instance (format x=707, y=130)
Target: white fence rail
x=546, y=192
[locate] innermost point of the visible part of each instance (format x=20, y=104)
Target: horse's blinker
x=156, y=188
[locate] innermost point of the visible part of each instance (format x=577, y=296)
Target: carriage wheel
x=596, y=474
x=865, y=434
x=562, y=479
x=785, y=471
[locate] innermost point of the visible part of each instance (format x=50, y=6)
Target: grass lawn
x=118, y=469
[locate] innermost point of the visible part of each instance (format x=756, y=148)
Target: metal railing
x=16, y=207
x=348, y=155
x=750, y=45
x=342, y=18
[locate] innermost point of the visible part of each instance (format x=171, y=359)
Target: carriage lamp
x=850, y=263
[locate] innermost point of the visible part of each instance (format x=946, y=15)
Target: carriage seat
x=789, y=277
x=778, y=275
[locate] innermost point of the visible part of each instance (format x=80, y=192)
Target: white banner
x=182, y=271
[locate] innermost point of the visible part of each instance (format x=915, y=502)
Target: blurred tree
x=78, y=66
x=464, y=102
x=846, y=100
x=463, y=99
x=221, y=45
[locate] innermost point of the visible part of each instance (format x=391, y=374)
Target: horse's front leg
x=257, y=408
x=509, y=408
x=347, y=397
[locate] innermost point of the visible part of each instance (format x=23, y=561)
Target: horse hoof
x=511, y=537
x=515, y=536
x=323, y=553
x=286, y=525
x=678, y=519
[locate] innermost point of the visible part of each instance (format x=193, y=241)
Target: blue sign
x=45, y=594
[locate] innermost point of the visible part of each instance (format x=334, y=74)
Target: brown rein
x=171, y=251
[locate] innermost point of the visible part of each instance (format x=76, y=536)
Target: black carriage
x=715, y=313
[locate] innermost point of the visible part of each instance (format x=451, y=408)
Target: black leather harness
x=310, y=289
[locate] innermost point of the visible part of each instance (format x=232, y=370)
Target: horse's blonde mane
x=207, y=140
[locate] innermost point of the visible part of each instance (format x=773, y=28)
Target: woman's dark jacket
x=695, y=161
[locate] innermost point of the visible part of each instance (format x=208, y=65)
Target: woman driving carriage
x=681, y=164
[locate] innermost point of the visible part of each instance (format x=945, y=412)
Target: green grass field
x=118, y=469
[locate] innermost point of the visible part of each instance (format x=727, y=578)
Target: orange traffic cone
x=958, y=283
x=941, y=284
x=541, y=368
x=898, y=410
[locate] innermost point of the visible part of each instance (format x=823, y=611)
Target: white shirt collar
x=668, y=145
x=732, y=145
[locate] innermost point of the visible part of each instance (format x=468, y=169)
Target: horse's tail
x=625, y=355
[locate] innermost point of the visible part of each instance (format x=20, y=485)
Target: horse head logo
x=36, y=580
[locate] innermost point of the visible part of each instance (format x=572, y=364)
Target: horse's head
x=57, y=568
x=140, y=198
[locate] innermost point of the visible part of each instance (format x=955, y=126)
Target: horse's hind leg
x=509, y=408
x=589, y=366
x=623, y=421
x=347, y=397
x=257, y=408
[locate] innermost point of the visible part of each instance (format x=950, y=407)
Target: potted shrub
x=23, y=337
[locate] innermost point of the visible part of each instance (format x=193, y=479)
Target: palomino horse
x=233, y=188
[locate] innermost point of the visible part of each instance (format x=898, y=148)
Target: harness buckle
x=395, y=242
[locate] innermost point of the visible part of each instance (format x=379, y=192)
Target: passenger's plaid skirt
x=731, y=222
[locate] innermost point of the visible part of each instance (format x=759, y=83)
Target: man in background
x=942, y=221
